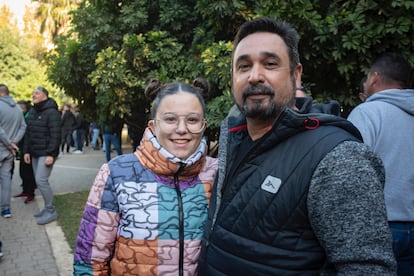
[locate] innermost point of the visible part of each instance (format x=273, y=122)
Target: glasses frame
x=203, y=126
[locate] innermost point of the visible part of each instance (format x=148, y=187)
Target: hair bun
x=153, y=87
x=202, y=86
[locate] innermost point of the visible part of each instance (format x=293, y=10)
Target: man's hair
x=43, y=90
x=4, y=89
x=392, y=67
x=281, y=28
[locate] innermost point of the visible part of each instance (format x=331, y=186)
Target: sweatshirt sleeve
x=22, y=130
x=98, y=228
x=347, y=211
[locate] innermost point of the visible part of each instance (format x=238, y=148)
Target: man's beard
x=258, y=109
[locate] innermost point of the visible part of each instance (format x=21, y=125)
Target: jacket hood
x=306, y=105
x=46, y=104
x=401, y=98
x=8, y=100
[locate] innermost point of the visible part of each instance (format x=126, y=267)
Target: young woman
x=146, y=210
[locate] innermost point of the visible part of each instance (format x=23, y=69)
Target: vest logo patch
x=271, y=184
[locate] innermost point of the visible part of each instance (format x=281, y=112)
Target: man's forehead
x=261, y=43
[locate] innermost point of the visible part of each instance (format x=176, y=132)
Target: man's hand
x=49, y=160
x=26, y=158
x=13, y=148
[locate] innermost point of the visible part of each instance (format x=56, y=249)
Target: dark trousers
x=27, y=176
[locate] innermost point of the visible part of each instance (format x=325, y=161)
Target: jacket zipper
x=180, y=221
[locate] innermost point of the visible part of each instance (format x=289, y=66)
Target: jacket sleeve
x=347, y=211
x=98, y=228
x=55, y=126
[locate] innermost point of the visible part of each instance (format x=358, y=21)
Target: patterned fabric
x=130, y=225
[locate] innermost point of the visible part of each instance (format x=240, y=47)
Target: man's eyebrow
x=264, y=54
x=242, y=58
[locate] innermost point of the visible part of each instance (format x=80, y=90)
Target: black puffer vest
x=262, y=226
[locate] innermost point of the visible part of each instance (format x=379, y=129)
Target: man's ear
x=298, y=75
x=375, y=78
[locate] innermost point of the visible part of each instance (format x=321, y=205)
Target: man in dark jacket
x=295, y=193
x=41, y=147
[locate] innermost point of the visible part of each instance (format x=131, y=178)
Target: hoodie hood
x=401, y=98
x=8, y=100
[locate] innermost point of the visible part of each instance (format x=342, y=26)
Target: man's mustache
x=257, y=90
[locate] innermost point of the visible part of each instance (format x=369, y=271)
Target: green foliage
x=116, y=46
x=70, y=207
x=18, y=70
x=112, y=86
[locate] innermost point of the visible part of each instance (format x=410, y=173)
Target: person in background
x=25, y=170
x=12, y=128
x=80, y=126
x=112, y=132
x=295, y=193
x=305, y=104
x=95, y=129
x=68, y=123
x=386, y=123
x=41, y=148
x=146, y=210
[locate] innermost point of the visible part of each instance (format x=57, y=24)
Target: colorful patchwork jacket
x=145, y=213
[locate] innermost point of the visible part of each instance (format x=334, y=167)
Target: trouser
x=403, y=246
x=42, y=174
x=95, y=135
x=66, y=140
x=6, y=166
x=27, y=176
x=112, y=139
x=79, y=139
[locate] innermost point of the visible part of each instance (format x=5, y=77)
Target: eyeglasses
x=194, y=122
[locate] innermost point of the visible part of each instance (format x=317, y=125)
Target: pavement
x=32, y=249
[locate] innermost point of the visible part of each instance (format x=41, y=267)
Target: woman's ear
x=151, y=125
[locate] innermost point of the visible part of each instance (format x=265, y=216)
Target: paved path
x=31, y=249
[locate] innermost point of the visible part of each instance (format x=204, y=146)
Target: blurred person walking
x=68, y=123
x=41, y=148
x=112, y=131
x=26, y=170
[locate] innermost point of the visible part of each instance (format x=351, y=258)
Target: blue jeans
x=79, y=139
x=95, y=135
x=112, y=139
x=403, y=246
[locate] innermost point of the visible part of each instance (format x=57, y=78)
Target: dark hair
x=43, y=90
x=156, y=91
x=26, y=104
x=392, y=67
x=281, y=28
x=4, y=88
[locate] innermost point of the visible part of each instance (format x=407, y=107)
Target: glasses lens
x=194, y=122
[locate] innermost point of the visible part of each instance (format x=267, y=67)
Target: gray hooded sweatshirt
x=386, y=123
x=12, y=125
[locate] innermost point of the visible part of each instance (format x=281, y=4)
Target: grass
x=70, y=209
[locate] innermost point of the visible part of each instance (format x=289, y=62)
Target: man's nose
x=256, y=74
